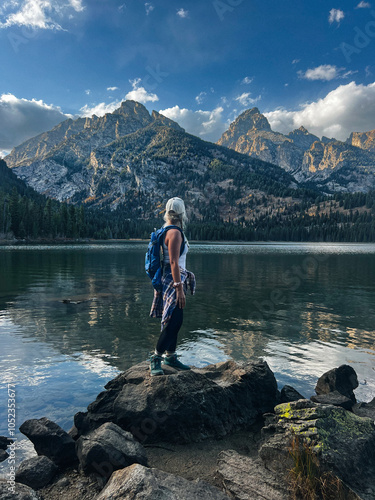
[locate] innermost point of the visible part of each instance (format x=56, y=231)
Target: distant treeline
x=25, y=214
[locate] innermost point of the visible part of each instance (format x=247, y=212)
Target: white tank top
x=182, y=259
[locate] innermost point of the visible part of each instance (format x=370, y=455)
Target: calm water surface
x=304, y=308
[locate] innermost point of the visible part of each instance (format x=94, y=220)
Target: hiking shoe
x=155, y=365
x=175, y=363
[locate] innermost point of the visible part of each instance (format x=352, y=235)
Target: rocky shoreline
x=219, y=432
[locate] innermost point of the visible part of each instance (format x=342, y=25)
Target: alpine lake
x=73, y=316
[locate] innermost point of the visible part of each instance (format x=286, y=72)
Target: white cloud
x=200, y=97
x=25, y=118
x=208, y=125
x=88, y=92
x=99, y=109
x=348, y=108
x=296, y=61
x=245, y=100
x=4, y=152
x=325, y=72
x=335, y=15
x=77, y=5
x=149, y=8
x=37, y=14
x=363, y=5
x=140, y=94
x=182, y=13
x=247, y=80
x=112, y=89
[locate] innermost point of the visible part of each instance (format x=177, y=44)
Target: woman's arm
x=173, y=240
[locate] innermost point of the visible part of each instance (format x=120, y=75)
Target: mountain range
x=135, y=160
x=255, y=184
x=327, y=164
x=132, y=159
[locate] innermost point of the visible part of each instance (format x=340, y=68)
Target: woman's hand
x=180, y=297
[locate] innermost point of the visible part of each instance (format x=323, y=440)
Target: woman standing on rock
x=170, y=302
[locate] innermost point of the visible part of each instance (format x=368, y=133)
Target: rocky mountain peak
x=248, y=123
x=167, y=122
x=302, y=138
x=251, y=119
x=133, y=110
x=363, y=140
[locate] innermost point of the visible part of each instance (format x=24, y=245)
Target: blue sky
x=199, y=62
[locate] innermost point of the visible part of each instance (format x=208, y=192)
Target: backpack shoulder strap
x=182, y=234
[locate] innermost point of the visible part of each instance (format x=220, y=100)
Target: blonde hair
x=175, y=212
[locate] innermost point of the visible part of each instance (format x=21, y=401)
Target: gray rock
x=107, y=449
x=247, y=478
x=21, y=492
x=365, y=409
x=334, y=398
x=36, y=472
x=140, y=483
x=51, y=440
x=3, y=455
x=5, y=442
x=73, y=432
x=184, y=406
x=288, y=393
x=342, y=379
x=343, y=442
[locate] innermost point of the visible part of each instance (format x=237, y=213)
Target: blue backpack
x=153, y=260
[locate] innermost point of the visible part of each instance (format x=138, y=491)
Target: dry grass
x=307, y=481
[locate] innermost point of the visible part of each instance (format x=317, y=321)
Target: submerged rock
x=342, y=379
x=183, y=406
x=139, y=483
x=109, y=448
x=36, y=472
x=342, y=441
x=51, y=440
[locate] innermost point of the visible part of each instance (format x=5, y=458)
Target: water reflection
x=304, y=308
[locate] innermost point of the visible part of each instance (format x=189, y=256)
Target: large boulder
x=51, y=440
x=109, y=448
x=246, y=478
x=36, y=472
x=183, y=406
x=342, y=442
x=21, y=492
x=140, y=483
x=342, y=379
